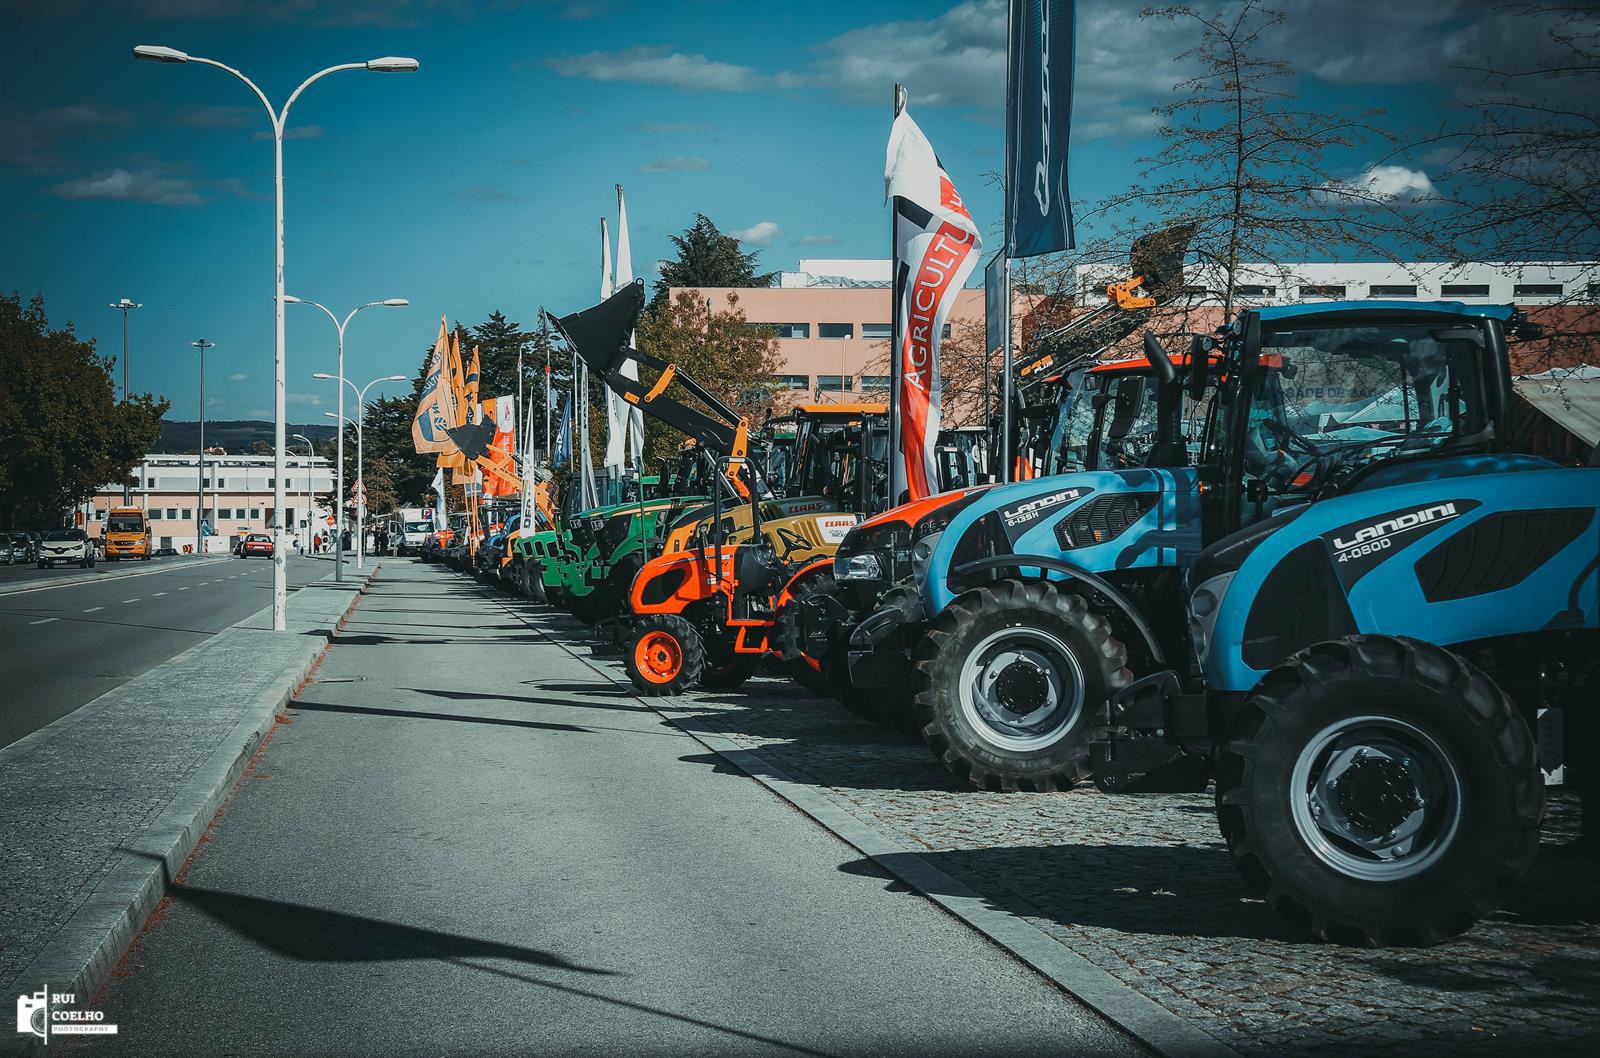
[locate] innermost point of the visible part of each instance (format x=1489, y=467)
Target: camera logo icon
x=33, y=1014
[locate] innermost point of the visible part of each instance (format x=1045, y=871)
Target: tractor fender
x=973, y=570
x=786, y=596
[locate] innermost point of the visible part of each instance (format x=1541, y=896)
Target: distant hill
x=235, y=435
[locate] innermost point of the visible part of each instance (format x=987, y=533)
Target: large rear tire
x=807, y=671
x=1380, y=791
x=664, y=656
x=1009, y=681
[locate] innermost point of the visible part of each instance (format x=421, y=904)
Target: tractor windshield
x=1332, y=399
x=1107, y=421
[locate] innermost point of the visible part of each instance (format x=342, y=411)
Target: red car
x=256, y=544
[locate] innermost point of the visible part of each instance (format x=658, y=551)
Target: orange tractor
x=705, y=615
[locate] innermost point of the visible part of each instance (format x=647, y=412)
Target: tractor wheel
x=1380, y=791
x=533, y=580
x=807, y=671
x=1009, y=680
x=664, y=656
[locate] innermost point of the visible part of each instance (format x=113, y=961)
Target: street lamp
x=361, y=474
x=279, y=118
x=125, y=306
x=200, y=519
x=338, y=325
x=311, y=452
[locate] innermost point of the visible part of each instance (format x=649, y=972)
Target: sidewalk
x=465, y=841
x=95, y=805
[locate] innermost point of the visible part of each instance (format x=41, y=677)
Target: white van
x=415, y=525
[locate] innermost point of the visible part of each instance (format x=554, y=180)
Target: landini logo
x=45, y=1014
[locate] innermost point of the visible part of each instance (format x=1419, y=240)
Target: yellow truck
x=127, y=533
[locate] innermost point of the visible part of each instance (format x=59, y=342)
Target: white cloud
x=761, y=233
x=138, y=185
x=313, y=400
x=238, y=376
x=661, y=66
x=1383, y=184
x=682, y=163
x=818, y=240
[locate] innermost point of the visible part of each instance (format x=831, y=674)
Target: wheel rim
x=658, y=657
x=1376, y=798
x=1021, y=689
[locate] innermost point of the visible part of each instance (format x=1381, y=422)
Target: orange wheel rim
x=658, y=657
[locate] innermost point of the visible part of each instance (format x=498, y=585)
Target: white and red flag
x=936, y=247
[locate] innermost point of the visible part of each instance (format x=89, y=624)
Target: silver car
x=16, y=547
x=66, y=545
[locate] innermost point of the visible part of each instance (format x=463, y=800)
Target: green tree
x=733, y=360
x=708, y=258
x=1251, y=170
x=63, y=434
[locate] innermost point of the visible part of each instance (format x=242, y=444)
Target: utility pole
x=125, y=306
x=200, y=478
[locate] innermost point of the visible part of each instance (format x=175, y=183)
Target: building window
x=792, y=381
x=222, y=483
x=781, y=330
x=1393, y=290
x=946, y=332
x=155, y=513
x=836, y=330
x=255, y=512
x=1248, y=290
x=869, y=382
x=150, y=483
x=188, y=512
x=877, y=330
x=172, y=513
x=835, y=383
x=1536, y=290
x=1464, y=290
x=1323, y=290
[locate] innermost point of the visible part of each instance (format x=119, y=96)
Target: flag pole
x=896, y=338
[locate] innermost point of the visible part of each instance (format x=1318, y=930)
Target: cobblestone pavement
x=1141, y=885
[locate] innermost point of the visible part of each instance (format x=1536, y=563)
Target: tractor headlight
x=1204, y=605
x=921, y=551
x=857, y=567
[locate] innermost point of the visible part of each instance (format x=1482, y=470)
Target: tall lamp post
x=361, y=473
x=125, y=306
x=279, y=118
x=311, y=452
x=344, y=420
x=200, y=514
x=340, y=325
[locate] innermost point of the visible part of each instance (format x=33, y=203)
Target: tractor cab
x=840, y=458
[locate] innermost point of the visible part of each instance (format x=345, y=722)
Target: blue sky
x=478, y=182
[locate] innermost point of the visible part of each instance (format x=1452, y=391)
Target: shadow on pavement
x=313, y=935
x=529, y=699
x=407, y=714
x=1163, y=890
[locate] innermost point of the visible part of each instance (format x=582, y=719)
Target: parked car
x=166, y=552
x=256, y=544
x=66, y=545
x=17, y=547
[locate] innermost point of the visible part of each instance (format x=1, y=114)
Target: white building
x=1484, y=283
x=237, y=498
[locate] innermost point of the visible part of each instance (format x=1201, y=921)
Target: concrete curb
x=1145, y=1020
x=80, y=956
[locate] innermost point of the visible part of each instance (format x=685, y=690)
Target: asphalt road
x=71, y=640
x=465, y=841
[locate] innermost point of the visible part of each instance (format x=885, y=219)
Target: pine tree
x=708, y=258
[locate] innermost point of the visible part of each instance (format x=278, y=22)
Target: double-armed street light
x=200, y=521
x=279, y=119
x=361, y=471
x=340, y=325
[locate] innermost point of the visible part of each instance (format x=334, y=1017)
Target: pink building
x=833, y=321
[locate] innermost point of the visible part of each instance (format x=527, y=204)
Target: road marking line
x=127, y=601
x=184, y=588
x=92, y=609
x=46, y=621
x=158, y=595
